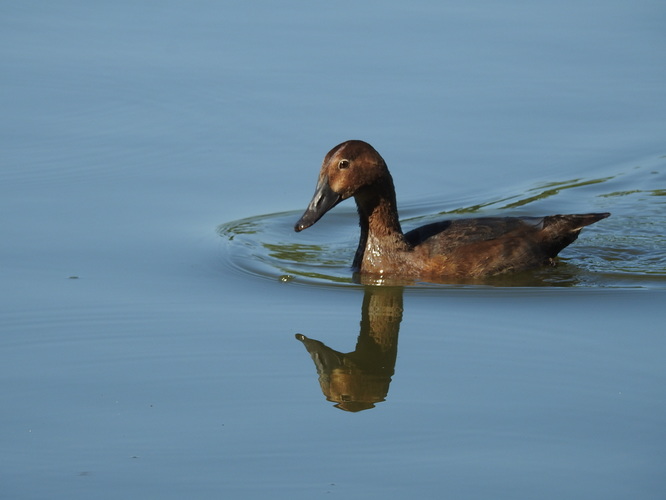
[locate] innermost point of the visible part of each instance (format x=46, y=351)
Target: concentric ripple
x=628, y=250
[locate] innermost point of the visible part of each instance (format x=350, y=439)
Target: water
x=624, y=251
x=165, y=333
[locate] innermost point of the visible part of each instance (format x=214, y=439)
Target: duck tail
x=562, y=230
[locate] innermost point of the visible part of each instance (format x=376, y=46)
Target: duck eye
x=343, y=164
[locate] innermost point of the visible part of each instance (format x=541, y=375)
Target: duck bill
x=323, y=200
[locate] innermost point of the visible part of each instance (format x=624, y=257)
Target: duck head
x=349, y=169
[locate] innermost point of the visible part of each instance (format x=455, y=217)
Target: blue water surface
x=165, y=334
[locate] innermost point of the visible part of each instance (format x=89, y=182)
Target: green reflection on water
x=296, y=252
x=554, y=188
x=649, y=192
x=539, y=193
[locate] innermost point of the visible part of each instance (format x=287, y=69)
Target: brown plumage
x=458, y=248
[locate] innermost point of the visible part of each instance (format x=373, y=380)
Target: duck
x=458, y=248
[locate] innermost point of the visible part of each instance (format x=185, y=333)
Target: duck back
x=495, y=245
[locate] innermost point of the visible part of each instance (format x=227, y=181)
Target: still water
x=165, y=334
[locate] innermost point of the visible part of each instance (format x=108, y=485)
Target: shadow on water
x=357, y=380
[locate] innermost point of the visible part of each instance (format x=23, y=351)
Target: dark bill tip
x=323, y=200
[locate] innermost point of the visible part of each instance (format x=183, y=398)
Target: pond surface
x=164, y=333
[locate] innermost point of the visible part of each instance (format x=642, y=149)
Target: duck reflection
x=357, y=380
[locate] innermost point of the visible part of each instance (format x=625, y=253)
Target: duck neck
x=381, y=233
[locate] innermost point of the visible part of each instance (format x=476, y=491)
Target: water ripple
x=624, y=251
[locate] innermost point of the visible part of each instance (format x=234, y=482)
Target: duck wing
x=551, y=233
